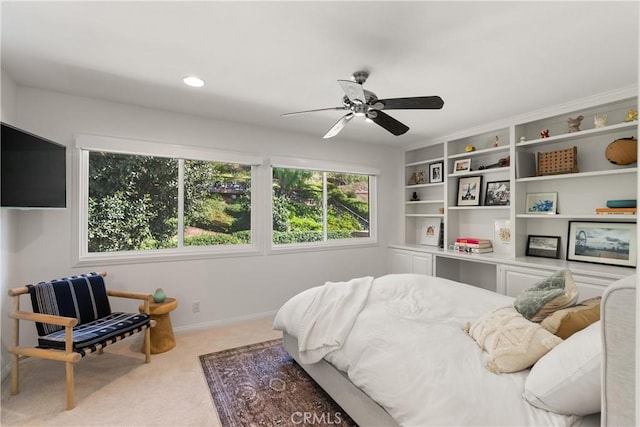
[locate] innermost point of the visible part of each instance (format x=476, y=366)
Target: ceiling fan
x=358, y=101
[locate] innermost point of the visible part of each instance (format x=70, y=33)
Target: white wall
x=228, y=288
x=8, y=114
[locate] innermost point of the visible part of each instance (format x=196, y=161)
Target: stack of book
x=616, y=211
x=473, y=245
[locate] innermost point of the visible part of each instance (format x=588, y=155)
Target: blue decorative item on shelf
x=631, y=203
x=159, y=295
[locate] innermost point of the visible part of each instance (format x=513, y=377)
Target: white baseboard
x=223, y=322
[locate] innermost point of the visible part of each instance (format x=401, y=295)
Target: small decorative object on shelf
x=523, y=138
x=624, y=203
x=623, y=151
x=558, y=162
x=414, y=179
x=632, y=115
x=574, y=124
x=420, y=177
x=544, y=133
x=469, y=148
x=414, y=197
x=600, y=121
x=496, y=142
x=159, y=295
x=499, y=164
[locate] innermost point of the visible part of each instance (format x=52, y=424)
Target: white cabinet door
x=400, y=261
x=422, y=263
x=513, y=280
x=411, y=262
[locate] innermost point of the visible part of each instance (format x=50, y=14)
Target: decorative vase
x=159, y=295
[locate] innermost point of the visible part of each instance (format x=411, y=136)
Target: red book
x=472, y=240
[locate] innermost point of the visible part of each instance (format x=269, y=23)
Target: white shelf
x=579, y=175
x=499, y=149
x=579, y=135
x=422, y=202
x=435, y=184
x=480, y=172
x=473, y=208
x=425, y=215
x=425, y=162
x=608, y=217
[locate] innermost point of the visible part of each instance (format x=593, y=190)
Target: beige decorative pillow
x=553, y=293
x=512, y=342
x=566, y=322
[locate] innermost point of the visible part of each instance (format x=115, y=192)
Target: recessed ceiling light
x=193, y=81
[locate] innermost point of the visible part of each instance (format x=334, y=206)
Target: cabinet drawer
x=513, y=280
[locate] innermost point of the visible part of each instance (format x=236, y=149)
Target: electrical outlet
x=195, y=306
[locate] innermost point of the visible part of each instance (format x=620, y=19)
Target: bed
x=399, y=350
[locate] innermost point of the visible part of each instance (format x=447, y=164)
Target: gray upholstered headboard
x=618, y=314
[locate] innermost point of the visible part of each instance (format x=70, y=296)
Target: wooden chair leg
x=15, y=363
x=69, y=368
x=147, y=345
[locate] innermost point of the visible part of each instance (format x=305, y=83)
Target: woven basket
x=558, y=162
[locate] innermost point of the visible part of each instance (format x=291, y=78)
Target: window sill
x=166, y=255
x=322, y=246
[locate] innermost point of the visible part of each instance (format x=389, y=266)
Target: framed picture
x=435, y=172
x=498, y=193
x=541, y=203
x=543, y=246
x=462, y=165
x=430, y=232
x=469, y=190
x=612, y=243
x=501, y=233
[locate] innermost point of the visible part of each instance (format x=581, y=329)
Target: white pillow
x=567, y=379
x=512, y=342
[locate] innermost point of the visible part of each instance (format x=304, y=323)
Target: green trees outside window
x=134, y=203
x=312, y=206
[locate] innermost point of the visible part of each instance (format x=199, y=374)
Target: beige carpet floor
x=118, y=389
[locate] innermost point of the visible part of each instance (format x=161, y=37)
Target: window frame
x=326, y=166
x=87, y=143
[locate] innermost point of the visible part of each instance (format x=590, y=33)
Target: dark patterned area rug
x=261, y=385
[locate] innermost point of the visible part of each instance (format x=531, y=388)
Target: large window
x=134, y=204
x=320, y=206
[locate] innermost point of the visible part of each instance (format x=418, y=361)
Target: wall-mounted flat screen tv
x=33, y=170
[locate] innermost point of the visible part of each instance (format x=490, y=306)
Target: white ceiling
x=487, y=60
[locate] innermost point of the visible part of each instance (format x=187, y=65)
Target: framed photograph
x=435, y=172
x=469, y=190
x=612, y=243
x=541, y=203
x=543, y=246
x=462, y=165
x=430, y=232
x=501, y=233
x=498, y=193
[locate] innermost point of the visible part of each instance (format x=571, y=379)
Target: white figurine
x=600, y=120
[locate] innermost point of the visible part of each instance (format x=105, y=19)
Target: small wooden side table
x=162, y=338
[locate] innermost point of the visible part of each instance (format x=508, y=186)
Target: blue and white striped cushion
x=102, y=331
x=82, y=297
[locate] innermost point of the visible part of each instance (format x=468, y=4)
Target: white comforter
x=407, y=350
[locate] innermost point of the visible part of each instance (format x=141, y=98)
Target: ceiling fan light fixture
x=193, y=81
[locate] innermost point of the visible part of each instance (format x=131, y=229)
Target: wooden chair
x=73, y=318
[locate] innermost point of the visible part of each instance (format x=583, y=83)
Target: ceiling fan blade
x=313, y=111
x=414, y=103
x=353, y=90
x=389, y=123
x=338, y=126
